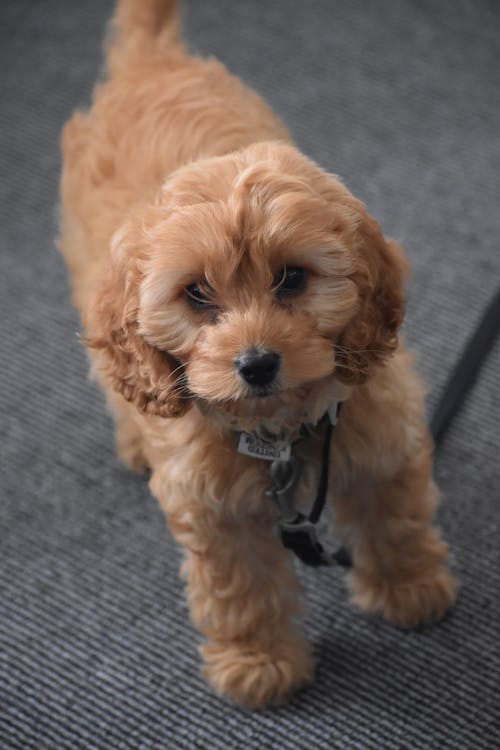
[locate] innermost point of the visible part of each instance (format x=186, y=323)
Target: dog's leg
x=399, y=566
x=243, y=596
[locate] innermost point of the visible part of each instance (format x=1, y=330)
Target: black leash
x=320, y=500
x=466, y=370
x=299, y=533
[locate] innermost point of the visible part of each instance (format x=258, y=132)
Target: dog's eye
x=198, y=296
x=290, y=280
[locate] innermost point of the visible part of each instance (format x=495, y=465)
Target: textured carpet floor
x=402, y=99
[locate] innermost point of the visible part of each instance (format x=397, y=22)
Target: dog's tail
x=142, y=29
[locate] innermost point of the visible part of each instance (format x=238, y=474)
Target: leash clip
x=284, y=476
x=300, y=535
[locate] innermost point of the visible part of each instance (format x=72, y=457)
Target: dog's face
x=252, y=277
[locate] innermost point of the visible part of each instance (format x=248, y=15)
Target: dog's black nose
x=258, y=367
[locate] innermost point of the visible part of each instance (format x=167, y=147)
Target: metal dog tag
x=252, y=445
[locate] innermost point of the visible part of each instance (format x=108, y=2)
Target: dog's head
x=252, y=276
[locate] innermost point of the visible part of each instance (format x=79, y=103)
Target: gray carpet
x=402, y=99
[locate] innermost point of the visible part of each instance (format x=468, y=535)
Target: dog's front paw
x=254, y=677
x=409, y=603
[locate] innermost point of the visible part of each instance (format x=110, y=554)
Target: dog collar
x=297, y=531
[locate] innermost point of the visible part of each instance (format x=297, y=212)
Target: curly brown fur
x=179, y=175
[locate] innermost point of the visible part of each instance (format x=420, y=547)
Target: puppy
x=228, y=286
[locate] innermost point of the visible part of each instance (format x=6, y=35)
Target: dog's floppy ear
x=144, y=375
x=372, y=335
